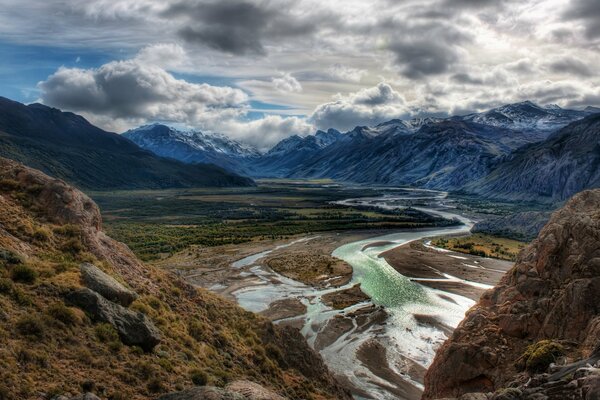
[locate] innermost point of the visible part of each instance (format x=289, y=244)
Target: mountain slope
x=51, y=347
x=192, y=146
x=544, y=308
x=443, y=155
x=66, y=146
x=551, y=170
x=434, y=153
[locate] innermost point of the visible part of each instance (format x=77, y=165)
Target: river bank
x=378, y=339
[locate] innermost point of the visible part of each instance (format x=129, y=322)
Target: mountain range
x=65, y=145
x=509, y=152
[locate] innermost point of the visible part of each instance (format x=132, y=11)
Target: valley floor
x=242, y=272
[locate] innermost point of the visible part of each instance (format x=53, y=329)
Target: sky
x=259, y=70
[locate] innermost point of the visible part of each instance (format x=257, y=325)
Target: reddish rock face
x=552, y=292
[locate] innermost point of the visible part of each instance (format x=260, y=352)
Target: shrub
x=538, y=356
x=6, y=286
x=31, y=326
x=106, y=333
x=199, y=377
x=73, y=246
x=9, y=257
x=68, y=230
x=197, y=330
x=42, y=234
x=8, y=184
x=22, y=298
x=62, y=313
x=23, y=273
x=155, y=385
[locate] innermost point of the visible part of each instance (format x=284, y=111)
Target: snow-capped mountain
x=193, y=146
x=527, y=117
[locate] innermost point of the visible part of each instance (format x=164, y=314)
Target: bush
x=41, y=234
x=106, y=333
x=155, y=385
x=31, y=326
x=6, y=286
x=73, y=246
x=538, y=356
x=62, y=313
x=23, y=273
x=198, y=377
x=7, y=184
x=197, y=330
x=9, y=257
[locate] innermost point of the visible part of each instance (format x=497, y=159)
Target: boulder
x=104, y=284
x=254, y=391
x=203, y=393
x=135, y=329
x=237, y=390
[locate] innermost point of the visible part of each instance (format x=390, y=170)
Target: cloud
x=345, y=73
x=587, y=11
x=123, y=94
x=265, y=132
x=286, y=83
x=572, y=66
x=237, y=26
x=422, y=50
x=129, y=89
x=365, y=107
x=164, y=55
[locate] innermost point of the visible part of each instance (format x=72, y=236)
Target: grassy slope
x=49, y=347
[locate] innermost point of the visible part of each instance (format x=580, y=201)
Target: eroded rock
x=551, y=293
x=107, y=286
x=134, y=328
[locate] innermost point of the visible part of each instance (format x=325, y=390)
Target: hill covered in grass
x=63, y=333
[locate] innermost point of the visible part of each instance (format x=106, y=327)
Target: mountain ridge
x=67, y=146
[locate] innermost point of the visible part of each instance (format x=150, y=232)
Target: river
x=409, y=345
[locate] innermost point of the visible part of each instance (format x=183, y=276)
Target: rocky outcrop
x=551, y=293
x=134, y=328
x=105, y=285
x=237, y=390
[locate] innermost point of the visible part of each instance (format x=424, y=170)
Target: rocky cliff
x=544, y=311
x=80, y=313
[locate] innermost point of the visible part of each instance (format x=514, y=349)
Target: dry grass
x=49, y=347
x=483, y=245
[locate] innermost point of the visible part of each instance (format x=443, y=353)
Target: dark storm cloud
x=237, y=27
x=426, y=49
x=587, y=11
x=571, y=66
x=465, y=78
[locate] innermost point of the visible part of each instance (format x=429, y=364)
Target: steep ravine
x=119, y=328
x=545, y=310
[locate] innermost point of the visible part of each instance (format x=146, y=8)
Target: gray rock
x=203, y=393
x=86, y=396
x=95, y=279
x=134, y=328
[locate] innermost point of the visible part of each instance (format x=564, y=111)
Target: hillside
x=66, y=146
x=119, y=328
x=544, y=310
x=550, y=171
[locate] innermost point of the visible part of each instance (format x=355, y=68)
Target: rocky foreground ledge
x=536, y=335
x=81, y=318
